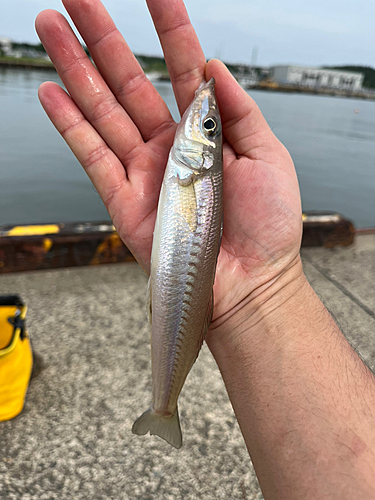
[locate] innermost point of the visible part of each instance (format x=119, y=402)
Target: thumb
x=244, y=126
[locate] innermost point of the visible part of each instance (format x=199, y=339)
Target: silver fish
x=184, y=253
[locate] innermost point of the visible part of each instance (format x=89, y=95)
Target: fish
x=185, y=248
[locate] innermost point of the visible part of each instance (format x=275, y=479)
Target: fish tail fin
x=166, y=427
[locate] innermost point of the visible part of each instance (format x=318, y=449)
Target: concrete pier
x=89, y=329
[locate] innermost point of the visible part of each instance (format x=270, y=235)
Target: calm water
x=41, y=181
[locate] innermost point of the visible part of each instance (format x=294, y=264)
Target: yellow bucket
x=16, y=358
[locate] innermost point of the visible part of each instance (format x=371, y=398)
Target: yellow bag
x=16, y=358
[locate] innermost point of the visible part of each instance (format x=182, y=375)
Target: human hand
x=121, y=131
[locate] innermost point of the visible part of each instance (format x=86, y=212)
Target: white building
x=314, y=77
x=6, y=45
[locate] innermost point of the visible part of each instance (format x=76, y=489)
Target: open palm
x=121, y=131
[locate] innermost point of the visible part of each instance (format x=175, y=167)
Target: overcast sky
x=318, y=32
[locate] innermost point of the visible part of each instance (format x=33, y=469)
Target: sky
x=314, y=33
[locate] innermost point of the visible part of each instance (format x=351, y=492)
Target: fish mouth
x=205, y=85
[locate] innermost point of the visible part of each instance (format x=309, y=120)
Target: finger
x=100, y=163
x=244, y=126
x=119, y=67
x=182, y=51
x=86, y=86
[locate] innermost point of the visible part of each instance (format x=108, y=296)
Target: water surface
x=331, y=140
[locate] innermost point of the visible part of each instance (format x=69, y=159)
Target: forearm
x=304, y=400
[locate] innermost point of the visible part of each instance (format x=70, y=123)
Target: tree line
x=369, y=73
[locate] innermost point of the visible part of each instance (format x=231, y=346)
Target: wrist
x=259, y=315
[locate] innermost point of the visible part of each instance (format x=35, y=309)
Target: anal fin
x=207, y=322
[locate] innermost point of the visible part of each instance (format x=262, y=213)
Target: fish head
x=198, y=140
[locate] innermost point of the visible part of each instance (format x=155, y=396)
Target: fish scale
x=183, y=262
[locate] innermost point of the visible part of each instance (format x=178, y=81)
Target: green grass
x=153, y=64
x=32, y=61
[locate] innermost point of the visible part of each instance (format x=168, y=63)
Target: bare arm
x=304, y=400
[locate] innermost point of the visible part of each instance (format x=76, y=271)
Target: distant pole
x=254, y=56
x=219, y=51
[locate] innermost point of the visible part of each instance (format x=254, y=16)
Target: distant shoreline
x=328, y=92
x=26, y=63
x=267, y=86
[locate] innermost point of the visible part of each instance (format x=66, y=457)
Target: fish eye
x=210, y=125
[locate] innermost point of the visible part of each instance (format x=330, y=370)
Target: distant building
x=247, y=79
x=6, y=45
x=314, y=77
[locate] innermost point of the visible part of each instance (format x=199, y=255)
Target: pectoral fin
x=185, y=180
x=188, y=205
